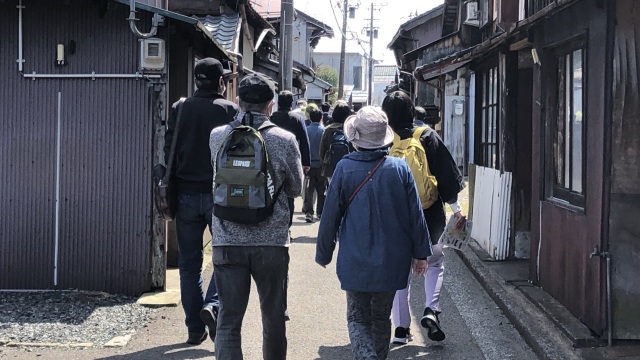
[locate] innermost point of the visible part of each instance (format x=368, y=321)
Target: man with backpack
x=256, y=165
x=192, y=174
x=294, y=122
x=438, y=179
x=334, y=144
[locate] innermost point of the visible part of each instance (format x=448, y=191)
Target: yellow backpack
x=412, y=151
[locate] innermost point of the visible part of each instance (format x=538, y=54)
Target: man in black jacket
x=327, y=119
x=293, y=122
x=193, y=175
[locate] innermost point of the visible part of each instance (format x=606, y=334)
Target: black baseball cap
x=256, y=89
x=210, y=69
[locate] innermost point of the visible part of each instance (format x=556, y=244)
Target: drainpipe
x=132, y=22
x=607, y=256
x=20, y=57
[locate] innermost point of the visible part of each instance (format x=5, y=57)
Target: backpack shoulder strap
x=267, y=124
x=417, y=133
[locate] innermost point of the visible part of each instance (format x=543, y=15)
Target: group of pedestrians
x=238, y=169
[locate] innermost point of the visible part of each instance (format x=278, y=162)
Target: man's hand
x=306, y=169
x=460, y=220
x=419, y=266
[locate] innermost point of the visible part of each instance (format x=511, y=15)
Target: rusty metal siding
x=566, y=237
x=624, y=228
x=106, y=152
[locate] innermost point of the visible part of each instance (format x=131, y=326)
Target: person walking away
x=202, y=112
x=421, y=114
x=294, y=122
x=316, y=182
x=334, y=144
x=373, y=211
x=251, y=218
x=307, y=111
x=327, y=119
x=448, y=183
x=301, y=105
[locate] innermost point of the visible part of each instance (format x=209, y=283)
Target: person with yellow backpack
x=438, y=180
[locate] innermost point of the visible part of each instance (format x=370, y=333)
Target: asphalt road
x=474, y=325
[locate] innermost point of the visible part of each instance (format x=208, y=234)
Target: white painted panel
x=454, y=129
x=491, y=211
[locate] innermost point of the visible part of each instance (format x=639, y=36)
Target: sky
x=391, y=15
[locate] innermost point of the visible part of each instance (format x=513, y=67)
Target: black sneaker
x=196, y=338
x=309, y=218
x=402, y=336
x=430, y=322
x=209, y=316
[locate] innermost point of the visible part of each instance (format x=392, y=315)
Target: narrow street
x=475, y=327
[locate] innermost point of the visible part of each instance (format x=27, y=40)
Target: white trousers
x=432, y=285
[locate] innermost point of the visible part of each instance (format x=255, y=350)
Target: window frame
x=488, y=107
x=554, y=191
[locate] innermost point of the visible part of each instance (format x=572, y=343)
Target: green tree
x=330, y=75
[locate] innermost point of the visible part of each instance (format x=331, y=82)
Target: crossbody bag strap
x=174, y=141
x=366, y=179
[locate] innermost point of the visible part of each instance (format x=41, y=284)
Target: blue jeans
x=193, y=216
x=234, y=268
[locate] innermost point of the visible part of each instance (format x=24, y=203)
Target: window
x=567, y=126
x=357, y=78
x=489, y=118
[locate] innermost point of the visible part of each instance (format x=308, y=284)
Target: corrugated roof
x=223, y=28
x=385, y=70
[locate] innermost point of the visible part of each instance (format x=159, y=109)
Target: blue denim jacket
x=382, y=229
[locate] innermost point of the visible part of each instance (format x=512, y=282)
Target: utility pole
x=286, y=45
x=342, y=50
x=370, y=58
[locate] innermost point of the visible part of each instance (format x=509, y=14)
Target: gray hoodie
x=282, y=148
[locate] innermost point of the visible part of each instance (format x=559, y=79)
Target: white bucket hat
x=369, y=128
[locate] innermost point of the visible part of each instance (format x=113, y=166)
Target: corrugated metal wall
x=105, y=154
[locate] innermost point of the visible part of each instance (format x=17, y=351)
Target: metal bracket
x=597, y=253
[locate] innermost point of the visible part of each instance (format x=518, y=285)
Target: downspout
x=20, y=57
x=132, y=22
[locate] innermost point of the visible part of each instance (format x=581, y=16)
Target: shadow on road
x=335, y=353
x=175, y=351
x=304, y=240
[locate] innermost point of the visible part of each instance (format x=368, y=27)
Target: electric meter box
x=152, y=54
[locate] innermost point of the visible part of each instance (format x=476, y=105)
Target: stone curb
x=541, y=335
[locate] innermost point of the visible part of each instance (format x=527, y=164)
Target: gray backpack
x=244, y=183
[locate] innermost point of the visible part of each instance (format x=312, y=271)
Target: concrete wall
x=351, y=60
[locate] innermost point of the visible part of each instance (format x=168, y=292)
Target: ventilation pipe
x=132, y=22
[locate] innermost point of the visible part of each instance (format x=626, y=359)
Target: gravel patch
x=69, y=317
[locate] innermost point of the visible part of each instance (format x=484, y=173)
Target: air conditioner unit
x=473, y=15
x=152, y=54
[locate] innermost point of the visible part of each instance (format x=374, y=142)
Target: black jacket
x=294, y=123
x=202, y=112
x=444, y=168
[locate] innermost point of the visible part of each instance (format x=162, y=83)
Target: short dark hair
x=421, y=114
x=341, y=111
x=399, y=109
x=285, y=100
x=326, y=107
x=315, y=115
x=432, y=115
